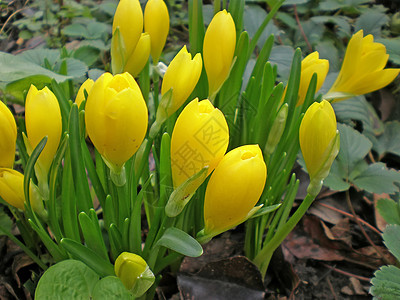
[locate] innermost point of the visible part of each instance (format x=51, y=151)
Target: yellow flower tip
x=128, y=267
x=317, y=131
x=12, y=187
x=218, y=49
x=311, y=64
x=43, y=118
x=87, y=85
x=199, y=139
x=116, y=118
x=140, y=56
x=234, y=188
x=181, y=76
x=363, y=69
x=8, y=137
x=156, y=23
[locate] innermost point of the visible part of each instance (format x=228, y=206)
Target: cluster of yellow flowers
x=116, y=115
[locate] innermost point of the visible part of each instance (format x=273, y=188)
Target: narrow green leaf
x=101, y=266
x=92, y=234
x=179, y=241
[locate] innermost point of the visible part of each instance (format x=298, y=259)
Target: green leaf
x=330, y=5
x=69, y=279
x=179, y=241
x=389, y=210
x=378, y=179
x=389, y=141
x=5, y=222
x=265, y=210
x=371, y=22
x=386, y=283
x=88, y=54
x=353, y=147
x=111, y=287
x=282, y=56
x=392, y=48
x=391, y=238
x=89, y=257
x=15, y=68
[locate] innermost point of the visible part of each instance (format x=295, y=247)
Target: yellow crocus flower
x=140, y=56
x=156, y=24
x=134, y=273
x=12, y=187
x=116, y=118
x=234, y=188
x=218, y=50
x=128, y=20
x=181, y=76
x=43, y=118
x=199, y=139
x=319, y=140
x=80, y=96
x=8, y=137
x=363, y=69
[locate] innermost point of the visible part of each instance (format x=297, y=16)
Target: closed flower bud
x=134, y=273
x=87, y=85
x=200, y=138
x=43, y=118
x=127, y=28
x=156, y=23
x=311, y=64
x=363, y=69
x=234, y=188
x=12, y=187
x=140, y=56
x=116, y=118
x=319, y=141
x=8, y=137
x=218, y=50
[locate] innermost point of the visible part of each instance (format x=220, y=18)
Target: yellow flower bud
x=318, y=131
x=8, y=137
x=234, y=188
x=128, y=19
x=12, y=187
x=116, y=118
x=311, y=64
x=200, y=138
x=140, y=56
x=156, y=23
x=43, y=118
x=133, y=272
x=362, y=70
x=87, y=85
x=181, y=76
x=218, y=50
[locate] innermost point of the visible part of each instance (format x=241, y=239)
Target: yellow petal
x=8, y=137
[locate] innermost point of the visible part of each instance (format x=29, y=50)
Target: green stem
x=156, y=81
x=263, y=258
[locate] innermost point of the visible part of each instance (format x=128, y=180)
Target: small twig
x=331, y=287
x=347, y=273
x=12, y=15
x=371, y=157
x=351, y=216
x=301, y=28
x=363, y=230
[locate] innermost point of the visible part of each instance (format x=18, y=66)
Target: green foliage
x=179, y=241
x=386, y=281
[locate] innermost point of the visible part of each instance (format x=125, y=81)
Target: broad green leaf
x=391, y=238
x=378, y=179
x=386, y=283
x=282, y=56
x=5, y=222
x=330, y=5
x=87, y=54
x=389, y=210
x=335, y=179
x=111, y=287
x=353, y=147
x=75, y=67
x=179, y=241
x=15, y=68
x=253, y=18
x=329, y=51
x=68, y=279
x=392, y=48
x=342, y=23
x=389, y=142
x=371, y=22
